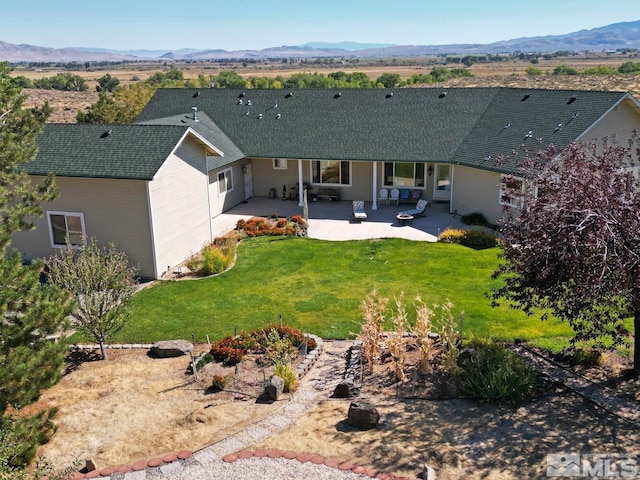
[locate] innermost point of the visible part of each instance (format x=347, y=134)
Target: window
x=511, y=191
x=225, y=182
x=65, y=227
x=331, y=172
x=404, y=174
x=279, y=164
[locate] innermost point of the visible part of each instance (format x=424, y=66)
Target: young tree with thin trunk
x=574, y=248
x=30, y=313
x=102, y=284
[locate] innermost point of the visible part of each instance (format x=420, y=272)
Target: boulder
x=346, y=390
x=171, y=348
x=275, y=388
x=363, y=415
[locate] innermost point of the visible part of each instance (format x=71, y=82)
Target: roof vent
x=241, y=95
x=239, y=102
x=558, y=128
x=106, y=133
x=442, y=94
x=337, y=95
x=529, y=134
x=248, y=103
x=194, y=114
x=278, y=116
x=289, y=95
x=572, y=99
x=196, y=95
x=389, y=95
x=259, y=116
x=526, y=96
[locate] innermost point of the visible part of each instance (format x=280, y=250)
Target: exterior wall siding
x=621, y=122
x=476, y=191
x=115, y=211
x=179, y=204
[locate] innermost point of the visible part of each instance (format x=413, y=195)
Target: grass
x=317, y=286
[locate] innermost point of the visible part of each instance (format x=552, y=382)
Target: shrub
x=475, y=218
x=476, y=238
x=220, y=382
x=228, y=350
x=533, y=71
x=214, y=261
x=279, y=349
x=288, y=374
x=452, y=235
x=206, y=358
x=479, y=239
x=493, y=373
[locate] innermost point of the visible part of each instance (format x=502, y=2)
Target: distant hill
x=611, y=37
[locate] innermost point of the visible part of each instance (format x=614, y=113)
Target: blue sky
x=257, y=24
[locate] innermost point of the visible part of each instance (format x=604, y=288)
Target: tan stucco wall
x=179, y=201
x=114, y=211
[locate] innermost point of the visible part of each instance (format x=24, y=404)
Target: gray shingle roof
x=464, y=126
x=129, y=152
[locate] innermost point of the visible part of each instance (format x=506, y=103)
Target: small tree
x=102, y=283
x=574, y=248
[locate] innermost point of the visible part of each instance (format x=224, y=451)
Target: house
x=154, y=186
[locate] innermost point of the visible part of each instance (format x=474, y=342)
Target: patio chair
x=405, y=195
x=358, y=210
x=418, y=211
x=415, y=195
x=383, y=196
x=395, y=196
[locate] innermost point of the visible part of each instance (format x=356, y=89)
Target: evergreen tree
x=30, y=313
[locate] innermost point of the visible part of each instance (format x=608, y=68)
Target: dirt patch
x=134, y=407
x=421, y=423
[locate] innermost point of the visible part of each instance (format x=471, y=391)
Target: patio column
x=375, y=186
x=300, y=184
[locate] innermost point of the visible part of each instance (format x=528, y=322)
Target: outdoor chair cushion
x=418, y=211
x=358, y=210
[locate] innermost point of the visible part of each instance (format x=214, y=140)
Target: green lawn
x=317, y=286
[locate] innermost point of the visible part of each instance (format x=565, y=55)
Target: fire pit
x=404, y=219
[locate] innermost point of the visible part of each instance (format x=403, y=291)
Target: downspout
x=375, y=186
x=300, y=184
x=208, y=190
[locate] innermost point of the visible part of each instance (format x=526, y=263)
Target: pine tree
x=30, y=313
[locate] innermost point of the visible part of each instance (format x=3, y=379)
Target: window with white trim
x=279, y=164
x=66, y=227
x=404, y=174
x=512, y=191
x=225, y=181
x=330, y=172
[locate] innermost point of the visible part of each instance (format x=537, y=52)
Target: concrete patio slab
x=331, y=220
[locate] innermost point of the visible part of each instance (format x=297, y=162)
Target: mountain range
x=625, y=35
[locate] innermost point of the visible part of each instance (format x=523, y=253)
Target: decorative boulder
x=346, y=390
x=275, y=388
x=171, y=348
x=363, y=415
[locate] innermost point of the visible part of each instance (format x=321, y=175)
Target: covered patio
x=333, y=220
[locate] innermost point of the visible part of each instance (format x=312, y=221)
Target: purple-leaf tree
x=573, y=249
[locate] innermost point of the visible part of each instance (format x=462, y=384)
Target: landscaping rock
x=363, y=415
x=171, y=348
x=275, y=388
x=346, y=390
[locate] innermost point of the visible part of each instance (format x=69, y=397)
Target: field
x=506, y=74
